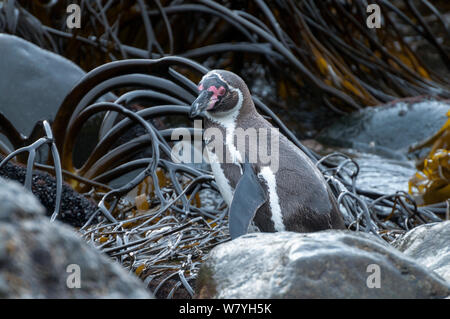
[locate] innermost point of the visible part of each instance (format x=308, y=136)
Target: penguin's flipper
x=248, y=197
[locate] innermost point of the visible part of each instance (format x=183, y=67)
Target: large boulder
x=388, y=130
x=429, y=245
x=383, y=175
x=328, y=264
x=33, y=82
x=39, y=259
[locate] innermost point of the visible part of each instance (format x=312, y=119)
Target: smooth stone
x=384, y=175
x=388, y=130
x=429, y=245
x=328, y=264
x=34, y=82
x=33, y=85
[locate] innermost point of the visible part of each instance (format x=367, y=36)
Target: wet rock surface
x=35, y=255
x=329, y=264
x=388, y=130
x=34, y=82
x=429, y=245
x=75, y=208
x=383, y=175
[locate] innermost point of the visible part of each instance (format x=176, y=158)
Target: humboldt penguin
x=287, y=194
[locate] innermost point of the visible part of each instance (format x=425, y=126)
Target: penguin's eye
x=200, y=87
x=221, y=91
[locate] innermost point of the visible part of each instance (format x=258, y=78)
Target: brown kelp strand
x=431, y=184
x=156, y=216
x=323, y=47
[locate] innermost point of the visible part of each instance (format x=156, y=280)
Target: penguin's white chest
x=234, y=157
x=221, y=180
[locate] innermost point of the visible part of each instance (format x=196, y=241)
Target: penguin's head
x=221, y=93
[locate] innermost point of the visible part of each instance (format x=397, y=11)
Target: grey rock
x=33, y=82
x=429, y=245
x=381, y=174
x=35, y=255
x=17, y=204
x=329, y=264
x=388, y=130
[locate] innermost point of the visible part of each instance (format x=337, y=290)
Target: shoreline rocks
x=429, y=245
x=34, y=82
x=388, y=130
x=40, y=259
x=328, y=264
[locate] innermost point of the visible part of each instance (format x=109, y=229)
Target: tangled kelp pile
x=324, y=47
x=160, y=218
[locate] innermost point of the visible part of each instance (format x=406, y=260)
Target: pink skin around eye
x=217, y=92
x=200, y=87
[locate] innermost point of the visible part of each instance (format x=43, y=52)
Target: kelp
x=31, y=150
x=431, y=184
x=323, y=47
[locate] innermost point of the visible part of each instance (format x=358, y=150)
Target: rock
x=383, y=175
x=429, y=245
x=388, y=130
x=17, y=204
x=37, y=257
x=34, y=82
x=328, y=264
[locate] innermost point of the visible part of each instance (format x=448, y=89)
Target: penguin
x=289, y=196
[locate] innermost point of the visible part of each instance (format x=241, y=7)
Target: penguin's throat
x=227, y=125
x=229, y=153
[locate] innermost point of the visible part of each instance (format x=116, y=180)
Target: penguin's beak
x=200, y=104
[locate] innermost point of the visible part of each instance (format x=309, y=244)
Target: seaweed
x=431, y=184
x=323, y=47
